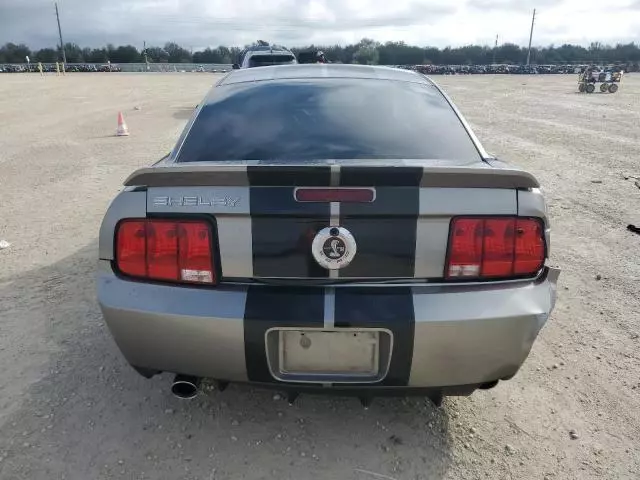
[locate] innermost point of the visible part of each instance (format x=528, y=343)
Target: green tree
x=208, y=55
x=366, y=51
x=73, y=53
x=125, y=54
x=12, y=53
x=97, y=55
x=177, y=54
x=366, y=56
x=510, y=53
x=46, y=55
x=433, y=55
x=157, y=55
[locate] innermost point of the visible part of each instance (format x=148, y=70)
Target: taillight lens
x=168, y=250
x=498, y=247
x=131, y=248
x=194, y=258
x=465, y=250
x=162, y=250
x=495, y=247
x=529, y=250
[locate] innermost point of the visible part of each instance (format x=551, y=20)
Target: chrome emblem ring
x=334, y=248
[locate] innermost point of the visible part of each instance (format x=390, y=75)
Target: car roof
x=266, y=48
x=321, y=71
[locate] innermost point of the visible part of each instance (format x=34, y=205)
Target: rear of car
x=265, y=56
x=338, y=231
x=268, y=59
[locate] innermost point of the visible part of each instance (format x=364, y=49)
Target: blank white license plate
x=329, y=352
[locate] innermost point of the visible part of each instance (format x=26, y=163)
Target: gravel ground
x=70, y=408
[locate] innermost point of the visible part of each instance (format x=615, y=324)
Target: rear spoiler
x=190, y=175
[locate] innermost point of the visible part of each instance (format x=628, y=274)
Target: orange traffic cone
x=122, y=131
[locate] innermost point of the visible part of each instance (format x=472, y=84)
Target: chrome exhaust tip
x=185, y=387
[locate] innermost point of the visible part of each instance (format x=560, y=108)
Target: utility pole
x=146, y=59
x=495, y=47
x=533, y=19
x=64, y=56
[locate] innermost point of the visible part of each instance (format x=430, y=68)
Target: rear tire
x=604, y=87
x=613, y=88
x=591, y=88
x=581, y=88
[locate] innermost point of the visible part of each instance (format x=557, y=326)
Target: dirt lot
x=70, y=408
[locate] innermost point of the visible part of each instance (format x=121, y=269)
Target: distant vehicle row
x=264, y=55
x=505, y=69
x=51, y=67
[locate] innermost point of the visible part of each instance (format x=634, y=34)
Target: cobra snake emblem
x=334, y=249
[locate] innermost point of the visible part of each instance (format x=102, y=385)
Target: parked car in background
x=265, y=55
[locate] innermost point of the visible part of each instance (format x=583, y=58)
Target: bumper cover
x=445, y=335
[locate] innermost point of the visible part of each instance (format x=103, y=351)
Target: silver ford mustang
x=327, y=228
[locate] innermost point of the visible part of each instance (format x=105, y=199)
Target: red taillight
x=194, y=257
x=529, y=254
x=497, y=258
x=131, y=248
x=162, y=250
x=176, y=251
x=335, y=194
x=465, y=251
x=495, y=247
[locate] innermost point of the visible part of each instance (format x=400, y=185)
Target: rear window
x=327, y=119
x=265, y=60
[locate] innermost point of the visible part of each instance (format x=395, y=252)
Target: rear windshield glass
x=327, y=119
x=265, y=60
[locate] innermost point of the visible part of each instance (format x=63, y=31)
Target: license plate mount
x=329, y=356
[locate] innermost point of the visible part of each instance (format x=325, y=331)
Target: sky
x=198, y=24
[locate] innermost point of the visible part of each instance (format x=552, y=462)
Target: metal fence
x=121, y=67
x=173, y=67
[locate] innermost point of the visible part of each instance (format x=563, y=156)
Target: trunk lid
x=264, y=232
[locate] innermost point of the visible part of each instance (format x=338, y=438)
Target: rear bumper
x=454, y=335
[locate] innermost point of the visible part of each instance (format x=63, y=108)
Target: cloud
x=510, y=5
x=200, y=23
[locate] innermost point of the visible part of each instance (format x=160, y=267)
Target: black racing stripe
x=280, y=201
x=289, y=176
x=282, y=228
x=382, y=307
x=282, y=232
x=399, y=176
x=270, y=307
x=385, y=230
x=282, y=247
x=386, y=247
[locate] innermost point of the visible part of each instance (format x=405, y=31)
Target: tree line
x=366, y=51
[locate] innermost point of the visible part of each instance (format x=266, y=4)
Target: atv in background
x=609, y=78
